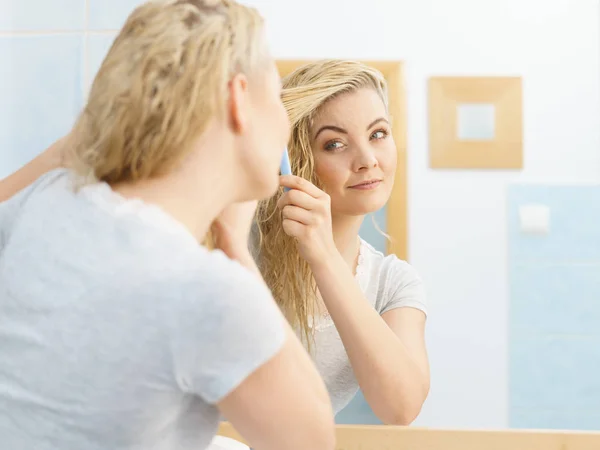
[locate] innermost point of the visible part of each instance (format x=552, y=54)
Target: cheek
x=330, y=174
x=284, y=120
x=275, y=129
x=388, y=160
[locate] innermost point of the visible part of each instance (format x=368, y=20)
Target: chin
x=362, y=208
x=366, y=204
x=258, y=191
x=268, y=190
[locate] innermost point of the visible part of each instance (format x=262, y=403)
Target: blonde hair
x=305, y=91
x=165, y=77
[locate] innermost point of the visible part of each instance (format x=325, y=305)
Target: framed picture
x=475, y=123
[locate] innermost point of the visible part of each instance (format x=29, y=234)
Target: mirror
x=476, y=122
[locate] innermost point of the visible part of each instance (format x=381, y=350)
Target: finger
x=301, y=184
x=293, y=228
x=299, y=215
x=298, y=198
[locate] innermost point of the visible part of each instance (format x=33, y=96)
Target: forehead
x=356, y=108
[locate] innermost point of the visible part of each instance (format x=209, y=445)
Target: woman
x=118, y=330
x=361, y=314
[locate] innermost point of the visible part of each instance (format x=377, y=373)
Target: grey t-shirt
x=117, y=330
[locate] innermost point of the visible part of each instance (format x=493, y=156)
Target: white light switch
x=535, y=219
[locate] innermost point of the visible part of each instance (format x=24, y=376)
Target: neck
x=194, y=197
x=345, y=235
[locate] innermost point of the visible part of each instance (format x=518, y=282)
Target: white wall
x=457, y=218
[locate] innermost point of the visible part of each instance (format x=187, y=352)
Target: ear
x=238, y=103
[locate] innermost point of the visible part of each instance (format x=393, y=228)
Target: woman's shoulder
x=398, y=283
x=45, y=180
x=385, y=266
x=213, y=270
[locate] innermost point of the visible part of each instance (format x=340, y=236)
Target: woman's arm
x=387, y=352
x=283, y=404
x=50, y=159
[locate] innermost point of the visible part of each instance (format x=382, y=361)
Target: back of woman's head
x=165, y=77
x=305, y=92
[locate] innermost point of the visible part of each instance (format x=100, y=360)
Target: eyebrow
x=376, y=121
x=343, y=131
x=332, y=128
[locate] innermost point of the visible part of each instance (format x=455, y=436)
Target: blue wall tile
x=110, y=14
x=554, y=299
x=358, y=412
x=98, y=46
x=369, y=232
x=555, y=373
x=574, y=224
x=45, y=15
x=41, y=92
x=555, y=310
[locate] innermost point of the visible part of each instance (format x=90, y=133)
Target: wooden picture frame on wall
x=501, y=97
x=397, y=207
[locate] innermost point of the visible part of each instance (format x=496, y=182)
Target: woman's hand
x=306, y=211
x=231, y=230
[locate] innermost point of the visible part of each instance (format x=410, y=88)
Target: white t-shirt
x=387, y=283
x=118, y=331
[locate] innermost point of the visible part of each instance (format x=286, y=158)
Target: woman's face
x=355, y=155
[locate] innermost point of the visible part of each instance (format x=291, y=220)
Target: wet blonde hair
x=165, y=77
x=305, y=91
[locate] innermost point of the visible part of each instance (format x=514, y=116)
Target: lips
x=366, y=184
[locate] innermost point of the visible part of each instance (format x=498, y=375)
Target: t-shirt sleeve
x=402, y=287
x=9, y=209
x=230, y=329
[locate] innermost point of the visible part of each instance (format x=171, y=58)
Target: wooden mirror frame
x=359, y=437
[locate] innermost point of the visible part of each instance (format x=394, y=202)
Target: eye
x=333, y=146
x=379, y=134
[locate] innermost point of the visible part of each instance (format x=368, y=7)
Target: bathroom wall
x=555, y=309
x=458, y=227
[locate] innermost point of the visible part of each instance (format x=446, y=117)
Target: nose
x=365, y=158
